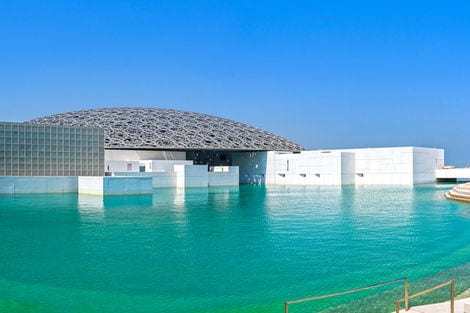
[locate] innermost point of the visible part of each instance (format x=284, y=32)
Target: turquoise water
x=222, y=250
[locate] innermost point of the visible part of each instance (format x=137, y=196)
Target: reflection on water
x=91, y=208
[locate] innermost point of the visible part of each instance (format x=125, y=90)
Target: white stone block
x=385, y=154
x=466, y=307
x=374, y=166
x=90, y=185
x=386, y=179
x=373, y=155
x=407, y=157
x=395, y=179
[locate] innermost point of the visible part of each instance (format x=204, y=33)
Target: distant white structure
x=368, y=166
x=453, y=174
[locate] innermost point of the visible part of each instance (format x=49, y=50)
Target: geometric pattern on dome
x=167, y=129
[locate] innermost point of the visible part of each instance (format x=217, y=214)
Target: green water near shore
x=221, y=250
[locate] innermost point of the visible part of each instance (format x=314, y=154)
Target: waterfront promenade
x=442, y=307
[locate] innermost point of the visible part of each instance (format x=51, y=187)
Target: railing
x=405, y=280
x=452, y=295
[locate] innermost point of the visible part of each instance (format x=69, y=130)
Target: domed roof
x=152, y=128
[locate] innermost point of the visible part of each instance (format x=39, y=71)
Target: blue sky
x=326, y=74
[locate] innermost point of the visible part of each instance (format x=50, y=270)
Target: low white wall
x=164, y=180
x=457, y=173
x=164, y=165
x=228, y=177
x=397, y=165
x=121, y=166
x=188, y=176
x=150, y=165
x=384, y=166
x=90, y=185
x=159, y=179
x=310, y=168
x=113, y=185
x=38, y=184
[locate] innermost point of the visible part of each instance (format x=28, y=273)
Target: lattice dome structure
x=164, y=129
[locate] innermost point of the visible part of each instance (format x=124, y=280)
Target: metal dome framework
x=166, y=129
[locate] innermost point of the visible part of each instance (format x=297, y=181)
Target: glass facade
x=43, y=150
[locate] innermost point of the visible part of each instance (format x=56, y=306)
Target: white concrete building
x=138, y=149
x=368, y=166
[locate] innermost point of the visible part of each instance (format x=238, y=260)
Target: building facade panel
x=43, y=150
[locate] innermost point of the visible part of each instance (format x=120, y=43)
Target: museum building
x=132, y=150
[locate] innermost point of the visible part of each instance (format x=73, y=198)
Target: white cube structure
x=311, y=168
x=191, y=176
x=368, y=166
x=397, y=165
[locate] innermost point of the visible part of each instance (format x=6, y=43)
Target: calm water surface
x=222, y=250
